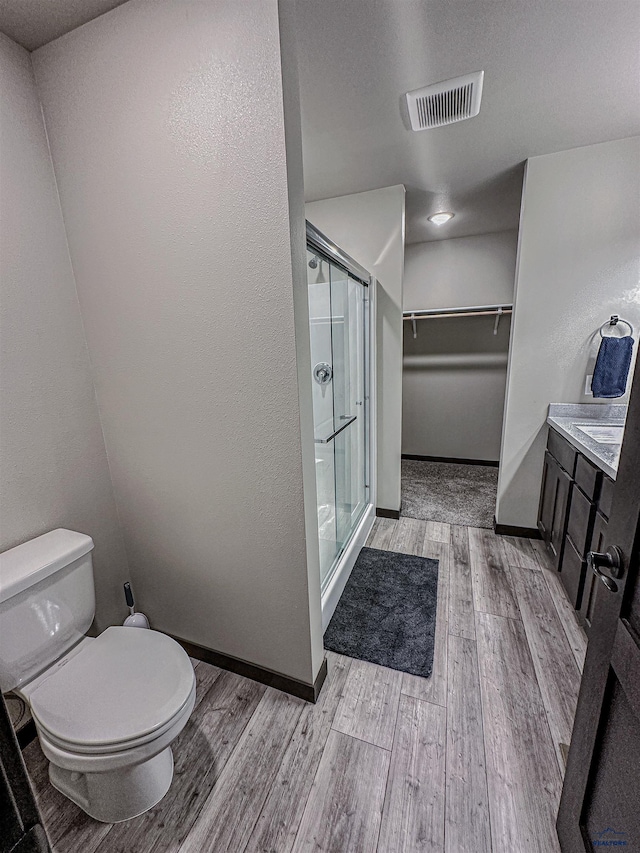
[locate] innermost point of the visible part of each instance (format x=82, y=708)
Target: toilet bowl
x=106, y=709
x=106, y=715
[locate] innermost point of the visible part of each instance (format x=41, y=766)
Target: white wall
x=456, y=366
x=369, y=226
x=453, y=387
x=476, y=270
x=578, y=263
x=53, y=462
x=168, y=140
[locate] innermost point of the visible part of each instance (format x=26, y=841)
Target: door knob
x=611, y=585
x=611, y=562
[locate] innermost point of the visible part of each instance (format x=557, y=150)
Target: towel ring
x=613, y=321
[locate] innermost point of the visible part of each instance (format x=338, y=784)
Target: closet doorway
x=454, y=381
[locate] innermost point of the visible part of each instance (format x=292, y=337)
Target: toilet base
x=112, y=796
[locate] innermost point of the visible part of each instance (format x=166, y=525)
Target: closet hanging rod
x=472, y=311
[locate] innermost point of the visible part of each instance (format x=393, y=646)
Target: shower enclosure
x=340, y=316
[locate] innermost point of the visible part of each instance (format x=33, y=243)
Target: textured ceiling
x=33, y=23
x=557, y=75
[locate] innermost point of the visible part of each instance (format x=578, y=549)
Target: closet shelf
x=469, y=311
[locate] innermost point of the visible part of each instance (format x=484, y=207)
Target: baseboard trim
x=308, y=692
x=512, y=530
x=490, y=462
x=381, y=512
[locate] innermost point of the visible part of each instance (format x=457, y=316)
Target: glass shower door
x=337, y=319
x=347, y=300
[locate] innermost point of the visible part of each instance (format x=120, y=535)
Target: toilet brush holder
x=136, y=620
x=133, y=620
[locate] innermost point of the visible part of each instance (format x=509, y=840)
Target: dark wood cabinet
x=578, y=539
x=572, y=571
x=591, y=584
x=575, y=501
x=606, y=497
x=588, y=478
x=554, y=502
x=580, y=520
x=565, y=453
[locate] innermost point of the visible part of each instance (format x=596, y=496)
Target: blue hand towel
x=612, y=367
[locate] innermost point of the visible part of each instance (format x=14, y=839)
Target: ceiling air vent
x=446, y=102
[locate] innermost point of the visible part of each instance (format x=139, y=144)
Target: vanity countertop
x=567, y=418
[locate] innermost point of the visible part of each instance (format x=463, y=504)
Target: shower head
x=313, y=263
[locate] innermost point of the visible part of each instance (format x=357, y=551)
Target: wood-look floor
x=467, y=761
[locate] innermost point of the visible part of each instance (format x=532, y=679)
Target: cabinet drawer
x=572, y=572
x=606, y=496
x=587, y=476
x=581, y=514
x=561, y=450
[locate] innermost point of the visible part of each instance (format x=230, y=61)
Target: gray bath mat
x=387, y=612
x=449, y=492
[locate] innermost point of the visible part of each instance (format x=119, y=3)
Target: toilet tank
x=47, y=603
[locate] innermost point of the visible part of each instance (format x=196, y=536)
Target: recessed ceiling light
x=440, y=218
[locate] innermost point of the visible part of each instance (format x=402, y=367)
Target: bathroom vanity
x=580, y=465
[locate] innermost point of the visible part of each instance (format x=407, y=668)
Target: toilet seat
x=118, y=749
x=124, y=689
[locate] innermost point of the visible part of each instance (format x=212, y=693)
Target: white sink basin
x=604, y=433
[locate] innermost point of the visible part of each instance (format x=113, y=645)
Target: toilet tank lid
x=27, y=564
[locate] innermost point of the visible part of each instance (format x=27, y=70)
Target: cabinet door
x=580, y=522
x=591, y=584
x=554, y=503
x=560, y=514
x=573, y=572
x=549, y=483
x=606, y=496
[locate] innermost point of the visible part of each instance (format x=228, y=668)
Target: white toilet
x=106, y=709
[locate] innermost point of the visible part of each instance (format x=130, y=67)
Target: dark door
x=600, y=803
x=20, y=827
